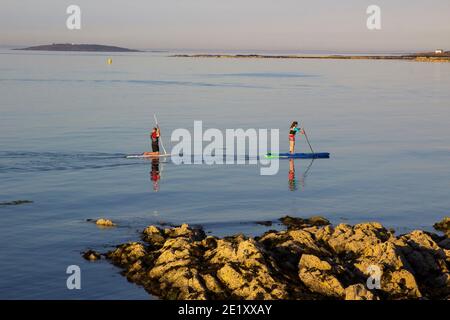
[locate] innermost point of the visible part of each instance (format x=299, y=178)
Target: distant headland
x=78, y=47
x=437, y=56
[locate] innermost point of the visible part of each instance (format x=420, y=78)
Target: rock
x=91, y=255
x=445, y=244
x=264, y=223
x=230, y=277
x=369, y=245
x=185, y=231
x=209, y=242
x=15, y=202
x=307, y=242
x=306, y=261
x=174, y=254
x=358, y=292
x=249, y=256
x=128, y=253
x=443, y=226
x=152, y=230
x=400, y=284
x=284, y=250
x=292, y=222
x=427, y=260
x=153, y=235
x=318, y=276
x=424, y=255
x=311, y=262
x=396, y=279
x=354, y=240
x=213, y=285
x=104, y=223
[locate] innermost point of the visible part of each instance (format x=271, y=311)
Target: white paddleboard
x=140, y=156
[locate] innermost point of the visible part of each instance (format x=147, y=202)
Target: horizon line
x=144, y=48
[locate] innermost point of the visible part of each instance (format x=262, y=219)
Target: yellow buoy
x=109, y=61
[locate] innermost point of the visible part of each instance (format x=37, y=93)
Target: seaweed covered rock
x=428, y=261
x=106, y=223
x=345, y=239
x=293, y=222
x=319, y=276
x=15, y=202
x=191, y=266
x=91, y=255
x=359, y=292
x=153, y=235
x=443, y=226
x=310, y=260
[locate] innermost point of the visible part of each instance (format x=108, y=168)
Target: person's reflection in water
x=154, y=174
x=292, y=181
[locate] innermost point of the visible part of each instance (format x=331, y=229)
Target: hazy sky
x=231, y=24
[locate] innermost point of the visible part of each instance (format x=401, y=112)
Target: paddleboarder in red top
x=292, y=131
x=154, y=137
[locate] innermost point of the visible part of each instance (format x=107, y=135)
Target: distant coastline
x=421, y=57
x=78, y=47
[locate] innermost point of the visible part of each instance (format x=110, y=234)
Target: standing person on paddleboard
x=292, y=131
x=154, y=136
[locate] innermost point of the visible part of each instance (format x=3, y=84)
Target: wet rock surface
x=443, y=226
x=292, y=222
x=91, y=255
x=266, y=223
x=15, y=202
x=310, y=260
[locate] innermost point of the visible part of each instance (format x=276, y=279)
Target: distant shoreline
x=70, y=47
x=421, y=57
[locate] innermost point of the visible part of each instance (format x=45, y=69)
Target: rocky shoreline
x=426, y=57
x=311, y=259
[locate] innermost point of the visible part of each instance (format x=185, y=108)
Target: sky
x=329, y=25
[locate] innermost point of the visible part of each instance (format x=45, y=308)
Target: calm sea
x=68, y=119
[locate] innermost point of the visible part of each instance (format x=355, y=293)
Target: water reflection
x=155, y=175
x=292, y=181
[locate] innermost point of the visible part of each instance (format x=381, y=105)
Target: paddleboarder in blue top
x=292, y=131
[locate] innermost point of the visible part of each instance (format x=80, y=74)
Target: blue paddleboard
x=320, y=155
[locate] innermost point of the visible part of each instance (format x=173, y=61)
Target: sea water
x=67, y=120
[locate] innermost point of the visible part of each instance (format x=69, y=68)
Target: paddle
x=162, y=145
x=307, y=140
